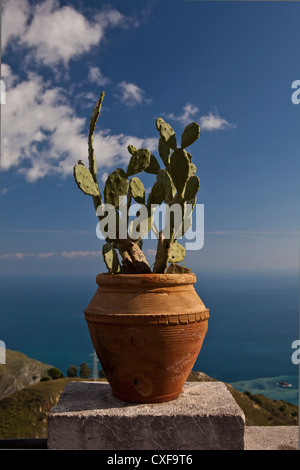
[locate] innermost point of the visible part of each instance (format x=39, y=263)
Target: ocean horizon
x=254, y=319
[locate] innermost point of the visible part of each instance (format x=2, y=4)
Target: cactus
x=131, y=149
x=157, y=194
x=153, y=166
x=85, y=181
x=179, y=169
x=193, y=169
x=93, y=121
x=176, y=253
x=190, y=135
x=111, y=259
x=116, y=186
x=164, y=152
x=138, y=162
x=137, y=190
x=176, y=183
x=192, y=187
x=169, y=189
x=166, y=133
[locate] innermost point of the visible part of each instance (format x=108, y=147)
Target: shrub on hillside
x=54, y=373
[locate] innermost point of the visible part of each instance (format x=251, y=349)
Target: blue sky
x=227, y=65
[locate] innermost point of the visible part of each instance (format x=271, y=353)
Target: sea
x=254, y=321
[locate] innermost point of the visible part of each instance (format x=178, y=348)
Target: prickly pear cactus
x=157, y=194
x=193, y=169
x=166, y=133
x=164, y=152
x=111, y=259
x=137, y=190
x=131, y=149
x=116, y=186
x=175, y=183
x=164, y=178
x=176, y=253
x=190, y=135
x=85, y=180
x=93, y=121
x=179, y=169
x=139, y=161
x=153, y=166
x=192, y=187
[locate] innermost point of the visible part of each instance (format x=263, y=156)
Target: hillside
x=19, y=372
x=258, y=409
x=23, y=414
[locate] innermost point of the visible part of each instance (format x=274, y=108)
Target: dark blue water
x=254, y=318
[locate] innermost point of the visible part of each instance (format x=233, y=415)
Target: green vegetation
x=20, y=371
x=72, y=371
x=176, y=185
x=85, y=371
x=54, y=373
x=24, y=414
x=258, y=409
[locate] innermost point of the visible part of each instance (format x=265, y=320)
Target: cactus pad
x=153, y=166
x=85, y=181
x=138, y=162
x=167, y=133
x=137, y=190
x=111, y=259
x=93, y=121
x=157, y=194
x=164, y=178
x=116, y=185
x=131, y=149
x=164, y=152
x=193, y=169
x=179, y=169
x=176, y=253
x=192, y=187
x=190, y=135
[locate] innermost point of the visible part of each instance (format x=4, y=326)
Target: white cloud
x=42, y=135
x=150, y=252
x=35, y=113
x=7, y=75
x=95, y=75
x=18, y=256
x=187, y=115
x=55, y=34
x=77, y=254
x=210, y=122
x=59, y=34
x=41, y=132
x=213, y=122
x=14, y=18
x=131, y=94
x=46, y=255
x=109, y=16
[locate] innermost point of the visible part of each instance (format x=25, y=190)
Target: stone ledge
x=205, y=416
x=271, y=438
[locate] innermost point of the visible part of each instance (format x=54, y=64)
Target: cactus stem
x=162, y=255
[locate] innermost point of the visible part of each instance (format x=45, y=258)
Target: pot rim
x=146, y=279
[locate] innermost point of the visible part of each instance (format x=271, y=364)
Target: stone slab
x=205, y=416
x=271, y=438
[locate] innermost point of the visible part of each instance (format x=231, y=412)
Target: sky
x=229, y=66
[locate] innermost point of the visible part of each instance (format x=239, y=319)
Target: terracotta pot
x=147, y=331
